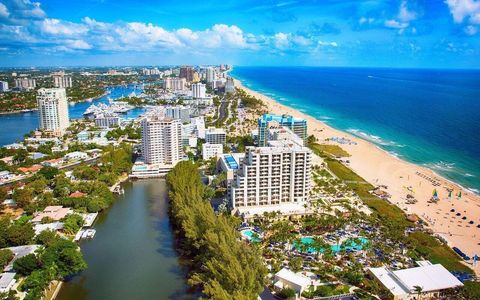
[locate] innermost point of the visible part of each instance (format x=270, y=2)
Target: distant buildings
x=215, y=136
x=151, y=72
x=210, y=75
x=229, y=85
x=178, y=112
x=3, y=86
x=211, y=150
x=25, y=83
x=297, y=125
x=175, y=84
x=53, y=110
x=61, y=81
x=107, y=120
x=198, y=90
x=161, y=140
x=187, y=73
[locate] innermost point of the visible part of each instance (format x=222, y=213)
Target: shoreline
x=402, y=177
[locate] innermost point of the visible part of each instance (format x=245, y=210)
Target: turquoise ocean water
x=428, y=117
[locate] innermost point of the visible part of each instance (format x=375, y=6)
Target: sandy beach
x=402, y=178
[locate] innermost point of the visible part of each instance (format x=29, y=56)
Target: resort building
x=297, y=125
x=175, y=84
x=161, y=140
x=25, y=83
x=199, y=90
x=288, y=279
x=61, y=81
x=433, y=279
x=3, y=86
x=53, y=110
x=272, y=178
x=211, y=150
x=215, y=136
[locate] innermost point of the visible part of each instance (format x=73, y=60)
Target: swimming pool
x=349, y=245
x=250, y=235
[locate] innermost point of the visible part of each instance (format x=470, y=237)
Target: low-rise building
x=433, y=280
x=55, y=212
x=7, y=281
x=76, y=155
x=211, y=150
x=288, y=279
x=107, y=120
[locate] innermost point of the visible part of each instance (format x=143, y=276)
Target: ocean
x=428, y=117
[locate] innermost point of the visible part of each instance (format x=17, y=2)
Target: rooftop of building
x=427, y=276
x=280, y=118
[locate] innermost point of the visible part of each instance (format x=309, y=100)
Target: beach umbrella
x=435, y=194
x=460, y=194
x=450, y=194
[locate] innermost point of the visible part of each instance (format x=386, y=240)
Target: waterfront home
x=76, y=155
x=31, y=169
x=403, y=284
x=77, y=194
x=15, y=146
x=55, y=226
x=52, y=162
x=19, y=252
x=7, y=281
x=288, y=279
x=55, y=213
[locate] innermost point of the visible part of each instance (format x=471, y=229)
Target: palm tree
x=418, y=289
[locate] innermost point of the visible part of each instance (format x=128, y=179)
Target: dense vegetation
x=222, y=266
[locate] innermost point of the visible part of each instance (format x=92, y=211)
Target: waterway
x=132, y=255
x=14, y=126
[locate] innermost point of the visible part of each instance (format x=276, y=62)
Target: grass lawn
x=334, y=150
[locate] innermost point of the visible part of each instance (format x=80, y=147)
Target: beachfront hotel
x=276, y=177
x=161, y=140
x=53, y=110
x=297, y=125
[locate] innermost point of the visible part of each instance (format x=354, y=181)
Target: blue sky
x=404, y=33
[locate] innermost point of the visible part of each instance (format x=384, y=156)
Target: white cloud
x=328, y=44
x=3, y=10
x=364, y=20
x=404, y=14
x=281, y=40
x=78, y=44
x=395, y=24
x=464, y=9
x=58, y=27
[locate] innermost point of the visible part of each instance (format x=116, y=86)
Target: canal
x=132, y=255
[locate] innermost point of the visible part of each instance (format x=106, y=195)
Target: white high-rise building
x=25, y=83
x=175, y=84
x=198, y=90
x=199, y=126
x=210, y=75
x=178, y=112
x=161, y=140
x=62, y=81
x=53, y=110
x=229, y=85
x=271, y=177
x=3, y=86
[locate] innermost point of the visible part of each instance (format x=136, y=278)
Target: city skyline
x=424, y=34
